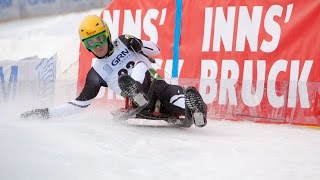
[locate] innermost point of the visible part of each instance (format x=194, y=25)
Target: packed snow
x=92, y=146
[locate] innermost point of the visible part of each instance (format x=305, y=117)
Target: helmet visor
x=97, y=40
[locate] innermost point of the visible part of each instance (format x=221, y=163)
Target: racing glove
x=36, y=114
x=135, y=44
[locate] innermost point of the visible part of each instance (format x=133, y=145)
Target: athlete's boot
x=195, y=109
x=129, y=88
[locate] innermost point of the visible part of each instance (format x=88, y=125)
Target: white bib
x=121, y=61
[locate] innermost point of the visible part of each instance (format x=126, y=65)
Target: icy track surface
x=90, y=146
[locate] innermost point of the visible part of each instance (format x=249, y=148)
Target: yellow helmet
x=92, y=25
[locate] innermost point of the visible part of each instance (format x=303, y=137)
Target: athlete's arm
x=149, y=48
x=90, y=91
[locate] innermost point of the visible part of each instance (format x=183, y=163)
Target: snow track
x=91, y=146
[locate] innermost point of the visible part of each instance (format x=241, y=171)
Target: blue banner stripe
x=176, y=42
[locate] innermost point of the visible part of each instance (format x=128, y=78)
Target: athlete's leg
x=141, y=75
x=172, y=97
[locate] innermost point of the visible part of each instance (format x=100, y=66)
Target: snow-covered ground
x=91, y=146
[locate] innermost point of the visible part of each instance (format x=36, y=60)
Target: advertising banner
x=251, y=60
x=255, y=60
x=30, y=75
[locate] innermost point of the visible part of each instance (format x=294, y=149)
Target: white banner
x=29, y=76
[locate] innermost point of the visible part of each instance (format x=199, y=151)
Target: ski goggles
x=97, y=40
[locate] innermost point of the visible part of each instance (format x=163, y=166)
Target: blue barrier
x=5, y=4
x=13, y=9
x=36, y=2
